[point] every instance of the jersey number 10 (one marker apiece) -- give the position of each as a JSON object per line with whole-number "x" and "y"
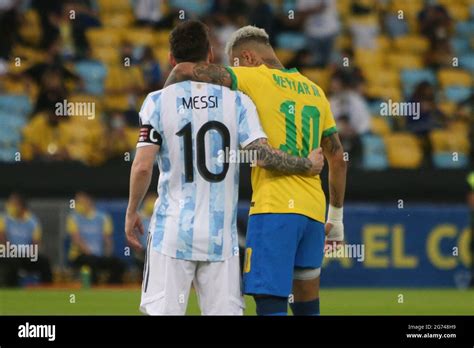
{"x": 309, "y": 115}
{"x": 187, "y": 133}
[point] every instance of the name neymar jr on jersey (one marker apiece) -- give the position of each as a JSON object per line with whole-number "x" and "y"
{"x": 296, "y": 86}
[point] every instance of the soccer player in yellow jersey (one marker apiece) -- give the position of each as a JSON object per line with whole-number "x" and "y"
{"x": 286, "y": 233}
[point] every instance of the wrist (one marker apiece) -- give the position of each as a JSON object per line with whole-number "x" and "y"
{"x": 335, "y": 214}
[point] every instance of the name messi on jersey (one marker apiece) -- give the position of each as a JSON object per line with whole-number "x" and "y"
{"x": 296, "y": 86}
{"x": 201, "y": 102}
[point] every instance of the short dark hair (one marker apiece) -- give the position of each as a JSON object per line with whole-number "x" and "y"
{"x": 189, "y": 41}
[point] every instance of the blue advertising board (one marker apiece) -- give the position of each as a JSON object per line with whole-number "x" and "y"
{"x": 386, "y": 246}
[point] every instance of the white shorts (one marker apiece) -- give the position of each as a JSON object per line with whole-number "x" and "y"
{"x": 167, "y": 282}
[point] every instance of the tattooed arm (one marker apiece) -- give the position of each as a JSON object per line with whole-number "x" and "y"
{"x": 277, "y": 160}
{"x": 200, "y": 72}
{"x": 334, "y": 153}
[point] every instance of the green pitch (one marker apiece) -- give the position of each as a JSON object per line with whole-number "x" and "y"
{"x": 333, "y": 302}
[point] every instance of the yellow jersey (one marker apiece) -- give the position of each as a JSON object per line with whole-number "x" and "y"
{"x": 295, "y": 115}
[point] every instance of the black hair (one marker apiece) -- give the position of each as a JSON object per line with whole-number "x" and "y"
{"x": 189, "y": 41}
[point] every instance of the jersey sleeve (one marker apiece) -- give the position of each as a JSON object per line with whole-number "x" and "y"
{"x": 329, "y": 125}
{"x": 245, "y": 79}
{"x": 108, "y": 225}
{"x": 250, "y": 128}
{"x": 149, "y": 112}
{"x": 37, "y": 232}
{"x": 71, "y": 225}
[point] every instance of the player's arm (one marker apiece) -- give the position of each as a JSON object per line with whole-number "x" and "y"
{"x": 334, "y": 154}
{"x": 277, "y": 160}
{"x": 200, "y": 72}
{"x": 140, "y": 178}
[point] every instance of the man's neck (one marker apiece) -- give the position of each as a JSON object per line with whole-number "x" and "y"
{"x": 272, "y": 63}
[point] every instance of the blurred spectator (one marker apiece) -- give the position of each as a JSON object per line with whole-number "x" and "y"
{"x": 302, "y": 59}
{"x": 52, "y": 91}
{"x": 43, "y": 138}
{"x": 434, "y": 22}
{"x": 364, "y": 28}
{"x": 261, "y": 15}
{"x": 148, "y": 12}
{"x": 350, "y": 111}
{"x": 91, "y": 240}
{"x": 440, "y": 54}
{"x": 9, "y": 25}
{"x": 430, "y": 116}
{"x": 20, "y": 227}
{"x": 151, "y": 70}
{"x": 120, "y": 137}
{"x": 321, "y": 26}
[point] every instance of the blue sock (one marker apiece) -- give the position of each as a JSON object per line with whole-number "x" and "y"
{"x": 271, "y": 305}
{"x": 305, "y": 308}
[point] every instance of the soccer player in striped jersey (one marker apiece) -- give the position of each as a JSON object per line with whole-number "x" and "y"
{"x": 286, "y": 231}
{"x": 193, "y": 233}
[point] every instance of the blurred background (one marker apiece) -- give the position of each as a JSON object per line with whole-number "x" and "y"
{"x": 409, "y": 194}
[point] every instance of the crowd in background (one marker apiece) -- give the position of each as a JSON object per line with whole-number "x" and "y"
{"x": 111, "y": 53}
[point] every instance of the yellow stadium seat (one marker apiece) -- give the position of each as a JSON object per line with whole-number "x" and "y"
{"x": 384, "y": 92}
{"x": 117, "y": 20}
{"x": 383, "y": 42}
{"x": 100, "y": 37}
{"x": 30, "y": 30}
{"x": 114, "y": 6}
{"x": 379, "y": 125}
{"x": 343, "y": 42}
{"x": 107, "y": 55}
{"x": 369, "y": 58}
{"x": 403, "y": 150}
{"x": 454, "y": 77}
{"x": 411, "y": 44}
{"x": 140, "y": 37}
{"x": 320, "y": 77}
{"x": 443, "y": 140}
{"x": 116, "y": 101}
{"x": 382, "y": 77}
{"x": 448, "y": 108}
{"x": 284, "y": 55}
{"x": 404, "y": 61}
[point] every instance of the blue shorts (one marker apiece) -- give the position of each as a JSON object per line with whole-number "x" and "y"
{"x": 276, "y": 245}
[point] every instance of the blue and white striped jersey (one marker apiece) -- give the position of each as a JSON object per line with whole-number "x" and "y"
{"x": 195, "y": 123}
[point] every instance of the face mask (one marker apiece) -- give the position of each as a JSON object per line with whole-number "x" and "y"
{"x": 11, "y": 209}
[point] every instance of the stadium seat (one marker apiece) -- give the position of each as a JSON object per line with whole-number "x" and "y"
{"x": 196, "y": 7}
{"x": 456, "y": 93}
{"x": 382, "y": 77}
{"x": 454, "y": 77}
{"x": 101, "y": 37}
{"x": 318, "y": 76}
{"x": 465, "y": 28}
{"x": 384, "y": 93}
{"x": 374, "y": 156}
{"x": 448, "y": 108}
{"x": 467, "y": 61}
{"x": 93, "y": 73}
{"x": 117, "y": 20}
{"x": 404, "y": 61}
{"x": 15, "y": 104}
{"x": 379, "y": 125}
{"x": 411, "y": 44}
{"x": 450, "y": 148}
{"x": 291, "y": 41}
{"x": 369, "y": 58}
{"x": 107, "y": 55}
{"x": 114, "y": 6}
{"x": 460, "y": 45}
{"x": 403, "y": 150}
{"x": 140, "y": 37}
